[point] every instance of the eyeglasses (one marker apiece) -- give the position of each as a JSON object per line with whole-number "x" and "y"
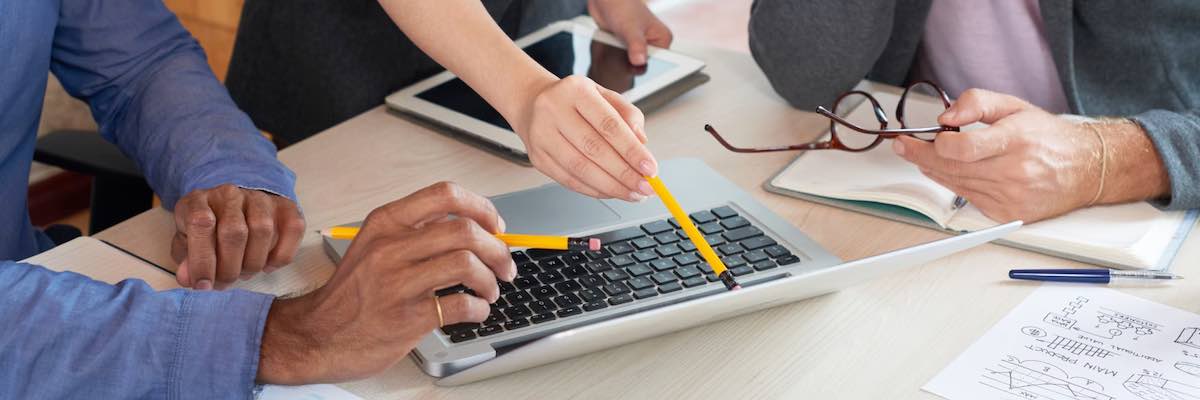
{"x": 858, "y": 138}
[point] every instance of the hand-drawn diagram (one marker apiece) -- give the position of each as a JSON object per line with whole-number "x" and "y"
{"x": 1076, "y": 348}
{"x": 1037, "y": 380}
{"x": 1034, "y": 331}
{"x": 1157, "y": 388}
{"x": 1188, "y": 368}
{"x": 1189, "y": 337}
{"x": 1109, "y": 323}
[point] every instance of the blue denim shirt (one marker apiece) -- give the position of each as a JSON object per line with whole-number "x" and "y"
{"x": 152, "y": 93}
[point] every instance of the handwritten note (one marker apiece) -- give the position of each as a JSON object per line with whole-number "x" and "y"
{"x": 1080, "y": 343}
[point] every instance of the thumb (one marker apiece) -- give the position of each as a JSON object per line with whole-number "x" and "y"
{"x": 182, "y": 276}
{"x": 978, "y": 105}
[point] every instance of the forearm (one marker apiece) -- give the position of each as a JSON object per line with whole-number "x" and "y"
{"x": 67, "y": 336}
{"x": 1133, "y": 170}
{"x": 461, "y": 36}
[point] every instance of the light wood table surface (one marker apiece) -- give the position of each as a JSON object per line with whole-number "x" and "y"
{"x": 879, "y": 340}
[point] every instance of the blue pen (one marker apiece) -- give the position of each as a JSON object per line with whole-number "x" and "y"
{"x": 1089, "y": 275}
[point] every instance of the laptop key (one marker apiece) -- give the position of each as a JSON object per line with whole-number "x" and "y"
{"x": 711, "y": 228}
{"x": 567, "y": 286}
{"x": 788, "y": 259}
{"x": 757, "y": 242}
{"x": 643, "y": 256}
{"x": 598, "y": 254}
{"x": 519, "y": 257}
{"x": 662, "y": 265}
{"x": 639, "y": 270}
{"x": 591, "y": 281}
{"x": 567, "y": 300}
{"x": 739, "y": 234}
{"x": 694, "y": 281}
{"x": 540, "y": 318}
{"x": 501, "y": 302}
{"x": 733, "y": 261}
{"x": 686, "y": 259}
{"x": 742, "y": 270}
{"x": 543, "y": 292}
{"x": 574, "y": 271}
{"x": 525, "y": 282}
{"x": 755, "y": 256}
{"x": 590, "y": 295}
{"x": 644, "y": 243}
{"x": 538, "y": 254}
{"x": 495, "y": 318}
{"x": 621, "y": 261}
{"x": 551, "y": 264}
{"x": 528, "y": 269}
{"x": 516, "y": 324}
{"x": 569, "y": 311}
{"x": 620, "y": 248}
{"x": 489, "y": 330}
{"x": 662, "y": 278}
{"x": 687, "y": 272}
{"x": 703, "y": 217}
{"x": 622, "y": 299}
{"x": 644, "y": 293}
{"x": 595, "y": 305}
{"x": 730, "y": 249}
{"x": 673, "y": 222}
{"x": 640, "y": 283}
{"x": 777, "y": 251}
{"x": 549, "y": 277}
{"x": 705, "y": 268}
{"x": 657, "y": 227}
{"x": 462, "y": 336}
{"x": 724, "y": 212}
{"x": 734, "y": 222}
{"x": 615, "y": 288}
{"x": 666, "y": 238}
{"x": 598, "y": 266}
{"x": 764, "y": 265}
{"x": 714, "y": 240}
{"x": 616, "y": 275}
{"x": 542, "y": 306}
{"x": 575, "y": 258}
{"x": 687, "y": 245}
{"x": 517, "y": 298}
{"x": 456, "y": 328}
{"x": 517, "y": 312}
{"x": 618, "y": 235}
{"x": 670, "y": 287}
{"x": 506, "y": 287}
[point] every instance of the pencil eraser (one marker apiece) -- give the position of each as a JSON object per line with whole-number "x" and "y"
{"x": 594, "y": 244}
{"x": 738, "y": 287}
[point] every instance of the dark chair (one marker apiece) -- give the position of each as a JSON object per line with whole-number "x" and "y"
{"x": 118, "y": 189}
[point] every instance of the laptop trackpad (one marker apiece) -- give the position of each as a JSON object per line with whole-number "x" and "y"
{"x": 552, "y": 209}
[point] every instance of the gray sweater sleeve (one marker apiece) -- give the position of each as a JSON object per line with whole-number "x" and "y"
{"x": 812, "y": 51}
{"x": 1176, "y": 136}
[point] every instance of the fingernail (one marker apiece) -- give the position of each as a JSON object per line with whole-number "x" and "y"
{"x": 645, "y": 188}
{"x": 512, "y": 272}
{"x": 647, "y": 168}
{"x": 269, "y": 269}
{"x": 503, "y": 225}
{"x": 898, "y": 147}
{"x": 635, "y": 196}
{"x": 950, "y": 114}
{"x": 639, "y": 59}
{"x": 204, "y": 284}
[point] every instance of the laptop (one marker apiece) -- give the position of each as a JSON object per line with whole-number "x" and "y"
{"x": 647, "y": 279}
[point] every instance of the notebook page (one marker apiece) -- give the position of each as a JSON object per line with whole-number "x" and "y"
{"x": 1134, "y": 234}
{"x": 878, "y": 175}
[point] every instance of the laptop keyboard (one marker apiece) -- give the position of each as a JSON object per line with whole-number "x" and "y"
{"x": 634, "y": 264}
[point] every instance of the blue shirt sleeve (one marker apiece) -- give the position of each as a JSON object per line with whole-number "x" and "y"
{"x": 68, "y": 336}
{"x": 152, "y": 93}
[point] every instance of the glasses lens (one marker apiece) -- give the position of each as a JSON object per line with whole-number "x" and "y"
{"x": 856, "y": 109}
{"x": 922, "y": 107}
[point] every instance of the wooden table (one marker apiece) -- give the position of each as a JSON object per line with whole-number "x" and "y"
{"x": 882, "y": 339}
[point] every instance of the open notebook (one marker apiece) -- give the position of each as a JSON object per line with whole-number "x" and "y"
{"x": 880, "y": 183}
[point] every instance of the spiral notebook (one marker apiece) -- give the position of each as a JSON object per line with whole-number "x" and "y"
{"x": 880, "y": 183}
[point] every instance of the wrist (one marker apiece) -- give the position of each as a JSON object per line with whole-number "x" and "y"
{"x": 1135, "y": 169}
{"x": 290, "y": 346}
{"x": 519, "y": 110}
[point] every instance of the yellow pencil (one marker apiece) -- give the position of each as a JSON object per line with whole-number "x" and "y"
{"x": 689, "y": 228}
{"x": 511, "y": 239}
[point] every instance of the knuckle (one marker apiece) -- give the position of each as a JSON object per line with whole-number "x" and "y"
{"x": 462, "y": 259}
{"x": 295, "y": 225}
{"x": 260, "y": 226}
{"x": 593, "y": 145}
{"x": 463, "y": 228}
{"x": 227, "y": 189}
{"x": 446, "y": 190}
{"x": 578, "y": 166}
{"x": 202, "y": 219}
{"x": 610, "y": 126}
{"x": 234, "y": 231}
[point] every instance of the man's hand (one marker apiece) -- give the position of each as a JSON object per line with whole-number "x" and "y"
{"x": 226, "y": 233}
{"x": 380, "y": 301}
{"x": 1032, "y": 165}
{"x": 632, "y": 22}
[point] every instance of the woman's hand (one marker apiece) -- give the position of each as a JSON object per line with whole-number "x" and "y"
{"x": 632, "y": 22}
{"x": 589, "y": 139}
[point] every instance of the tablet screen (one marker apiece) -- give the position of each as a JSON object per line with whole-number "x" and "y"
{"x": 563, "y": 54}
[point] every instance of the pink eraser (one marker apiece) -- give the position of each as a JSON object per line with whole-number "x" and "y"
{"x": 594, "y": 244}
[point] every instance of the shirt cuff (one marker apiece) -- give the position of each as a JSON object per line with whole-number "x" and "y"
{"x": 1177, "y": 139}
{"x": 218, "y": 339}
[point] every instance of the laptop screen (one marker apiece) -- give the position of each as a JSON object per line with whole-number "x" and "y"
{"x": 563, "y": 54}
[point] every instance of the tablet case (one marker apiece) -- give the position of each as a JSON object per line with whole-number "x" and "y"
{"x": 647, "y": 105}
{"x": 901, "y": 214}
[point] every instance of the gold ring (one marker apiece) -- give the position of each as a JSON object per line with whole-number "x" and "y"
{"x": 438, "y": 303}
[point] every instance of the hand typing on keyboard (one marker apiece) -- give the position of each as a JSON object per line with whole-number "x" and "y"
{"x": 380, "y": 301}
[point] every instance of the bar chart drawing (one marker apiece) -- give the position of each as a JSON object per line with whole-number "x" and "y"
{"x": 1076, "y": 347}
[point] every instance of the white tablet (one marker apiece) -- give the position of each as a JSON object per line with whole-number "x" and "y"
{"x": 573, "y": 47}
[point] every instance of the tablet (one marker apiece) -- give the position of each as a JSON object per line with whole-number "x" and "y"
{"x": 573, "y": 47}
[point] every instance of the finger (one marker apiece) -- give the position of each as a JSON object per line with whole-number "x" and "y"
{"x": 179, "y": 253}
{"x": 659, "y": 34}
{"x": 460, "y": 307}
{"x": 978, "y": 105}
{"x": 462, "y": 267}
{"x": 632, "y": 115}
{"x": 548, "y": 166}
{"x": 596, "y": 109}
{"x": 289, "y": 226}
{"x": 232, "y": 235}
{"x": 436, "y": 202}
{"x": 635, "y": 45}
{"x": 592, "y": 145}
{"x": 458, "y": 234}
{"x": 925, "y": 156}
{"x": 260, "y": 222}
{"x": 182, "y": 275}
{"x": 585, "y": 170}
{"x": 201, "y": 224}
{"x": 975, "y": 145}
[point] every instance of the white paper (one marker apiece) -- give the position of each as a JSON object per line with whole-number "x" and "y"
{"x": 306, "y": 392}
{"x": 1068, "y": 342}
